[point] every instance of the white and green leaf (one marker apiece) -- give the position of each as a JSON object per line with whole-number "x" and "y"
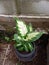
{"x": 30, "y": 27}
{"x": 7, "y": 39}
{"x": 25, "y": 47}
{"x": 21, "y": 48}
{"x": 17, "y": 37}
{"x": 33, "y": 36}
{"x": 22, "y": 28}
{"x": 30, "y": 46}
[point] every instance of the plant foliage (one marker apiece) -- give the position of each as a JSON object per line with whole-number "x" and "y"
{"x": 25, "y": 36}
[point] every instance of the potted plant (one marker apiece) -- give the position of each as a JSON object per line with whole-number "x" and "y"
{"x": 25, "y": 39}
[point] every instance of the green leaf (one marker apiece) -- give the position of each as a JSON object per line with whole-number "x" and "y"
{"x": 37, "y": 36}
{"x": 30, "y": 27}
{"x": 7, "y": 39}
{"x": 26, "y": 48}
{"x": 18, "y": 45}
{"x": 21, "y": 27}
{"x": 16, "y": 37}
{"x": 33, "y": 36}
{"x": 30, "y": 46}
{"x": 21, "y": 48}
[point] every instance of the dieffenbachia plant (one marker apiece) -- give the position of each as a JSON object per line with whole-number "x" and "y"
{"x": 25, "y": 36}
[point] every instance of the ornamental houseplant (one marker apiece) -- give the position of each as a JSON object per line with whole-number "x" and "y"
{"x": 25, "y": 40}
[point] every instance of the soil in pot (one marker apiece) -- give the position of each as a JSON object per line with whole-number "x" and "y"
{"x": 24, "y": 52}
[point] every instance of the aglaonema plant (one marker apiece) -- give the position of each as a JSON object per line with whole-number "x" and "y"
{"x": 25, "y": 36}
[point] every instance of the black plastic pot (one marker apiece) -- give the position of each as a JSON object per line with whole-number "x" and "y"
{"x": 41, "y": 42}
{"x": 26, "y": 57}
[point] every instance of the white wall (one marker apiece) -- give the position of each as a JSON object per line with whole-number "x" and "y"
{"x": 7, "y": 7}
{"x": 35, "y": 6}
{"x": 24, "y": 7}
